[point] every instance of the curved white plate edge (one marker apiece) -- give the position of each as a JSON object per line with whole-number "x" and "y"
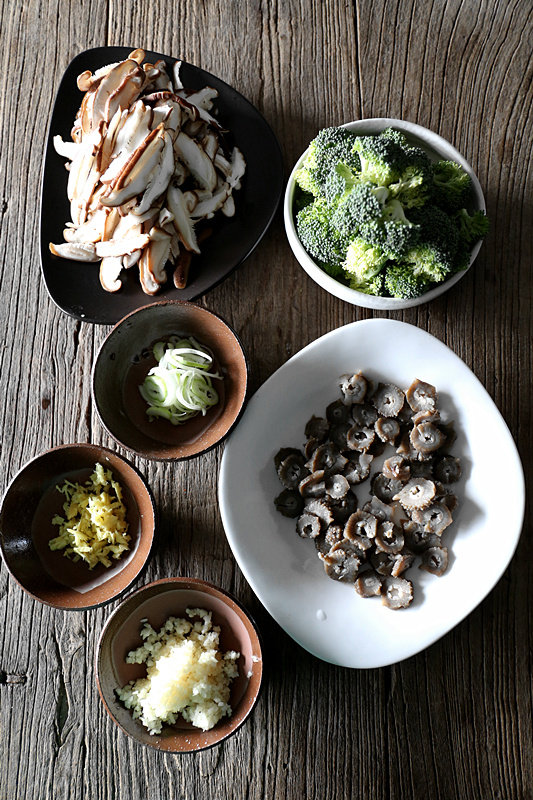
{"x": 338, "y": 289}
{"x": 226, "y": 513}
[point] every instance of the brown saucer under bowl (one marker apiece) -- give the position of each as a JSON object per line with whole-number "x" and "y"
{"x": 124, "y": 360}
{"x": 156, "y": 602}
{"x": 30, "y": 503}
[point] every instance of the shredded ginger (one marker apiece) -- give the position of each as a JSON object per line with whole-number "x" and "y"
{"x": 94, "y": 526}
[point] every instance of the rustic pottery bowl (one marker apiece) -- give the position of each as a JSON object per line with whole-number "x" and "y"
{"x": 437, "y": 148}
{"x": 30, "y": 503}
{"x": 156, "y": 602}
{"x": 124, "y": 360}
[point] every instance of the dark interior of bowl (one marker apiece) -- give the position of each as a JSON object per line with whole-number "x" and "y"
{"x": 26, "y": 527}
{"x": 157, "y": 602}
{"x": 124, "y": 361}
{"x": 75, "y": 286}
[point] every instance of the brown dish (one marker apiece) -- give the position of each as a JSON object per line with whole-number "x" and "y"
{"x": 156, "y": 602}
{"x": 124, "y": 360}
{"x": 31, "y": 502}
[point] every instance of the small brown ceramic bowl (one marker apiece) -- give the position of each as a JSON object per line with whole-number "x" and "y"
{"x": 30, "y": 503}
{"x": 156, "y": 602}
{"x": 124, "y": 360}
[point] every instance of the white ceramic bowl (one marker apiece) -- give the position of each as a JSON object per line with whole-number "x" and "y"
{"x": 437, "y": 148}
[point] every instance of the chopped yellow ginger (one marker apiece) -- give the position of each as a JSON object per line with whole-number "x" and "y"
{"x": 94, "y": 525}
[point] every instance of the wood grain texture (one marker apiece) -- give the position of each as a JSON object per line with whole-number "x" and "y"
{"x": 452, "y": 722}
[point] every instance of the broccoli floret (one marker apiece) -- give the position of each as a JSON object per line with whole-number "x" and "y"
{"x": 364, "y": 260}
{"x": 400, "y": 281}
{"x": 330, "y": 147}
{"x": 393, "y": 233}
{"x": 395, "y": 136}
{"x": 371, "y": 286}
{"x": 437, "y": 228}
{"x": 355, "y": 208}
{"x": 317, "y": 234}
{"x": 382, "y": 159}
{"x": 451, "y": 185}
{"x": 430, "y": 262}
{"x": 340, "y": 180}
{"x": 471, "y": 226}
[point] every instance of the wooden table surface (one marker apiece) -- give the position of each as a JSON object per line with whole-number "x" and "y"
{"x": 454, "y": 721}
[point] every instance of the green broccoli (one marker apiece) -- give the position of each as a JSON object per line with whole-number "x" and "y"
{"x": 430, "y": 262}
{"x": 393, "y": 233}
{"x": 330, "y": 147}
{"x": 471, "y": 226}
{"x": 371, "y": 286}
{"x": 400, "y": 281}
{"x": 356, "y": 207}
{"x": 451, "y": 185}
{"x": 437, "y": 229}
{"x": 374, "y": 212}
{"x": 363, "y": 260}
{"x": 382, "y": 159}
{"x": 340, "y": 180}
{"x": 316, "y": 233}
{"x": 395, "y": 136}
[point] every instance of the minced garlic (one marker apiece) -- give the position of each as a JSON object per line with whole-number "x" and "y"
{"x": 94, "y": 527}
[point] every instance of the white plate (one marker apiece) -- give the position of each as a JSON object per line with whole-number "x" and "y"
{"x": 328, "y": 618}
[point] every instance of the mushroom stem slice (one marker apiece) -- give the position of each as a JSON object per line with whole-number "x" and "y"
{"x": 110, "y": 269}
{"x": 196, "y": 160}
{"x": 177, "y": 203}
{"x": 76, "y": 251}
{"x": 121, "y": 247}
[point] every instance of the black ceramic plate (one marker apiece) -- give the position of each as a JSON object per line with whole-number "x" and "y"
{"x": 75, "y": 286}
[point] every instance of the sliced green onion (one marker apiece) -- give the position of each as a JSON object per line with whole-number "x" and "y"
{"x": 180, "y": 387}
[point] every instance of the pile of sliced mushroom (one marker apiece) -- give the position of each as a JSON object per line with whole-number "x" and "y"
{"x": 146, "y": 164}
{"x": 411, "y": 503}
